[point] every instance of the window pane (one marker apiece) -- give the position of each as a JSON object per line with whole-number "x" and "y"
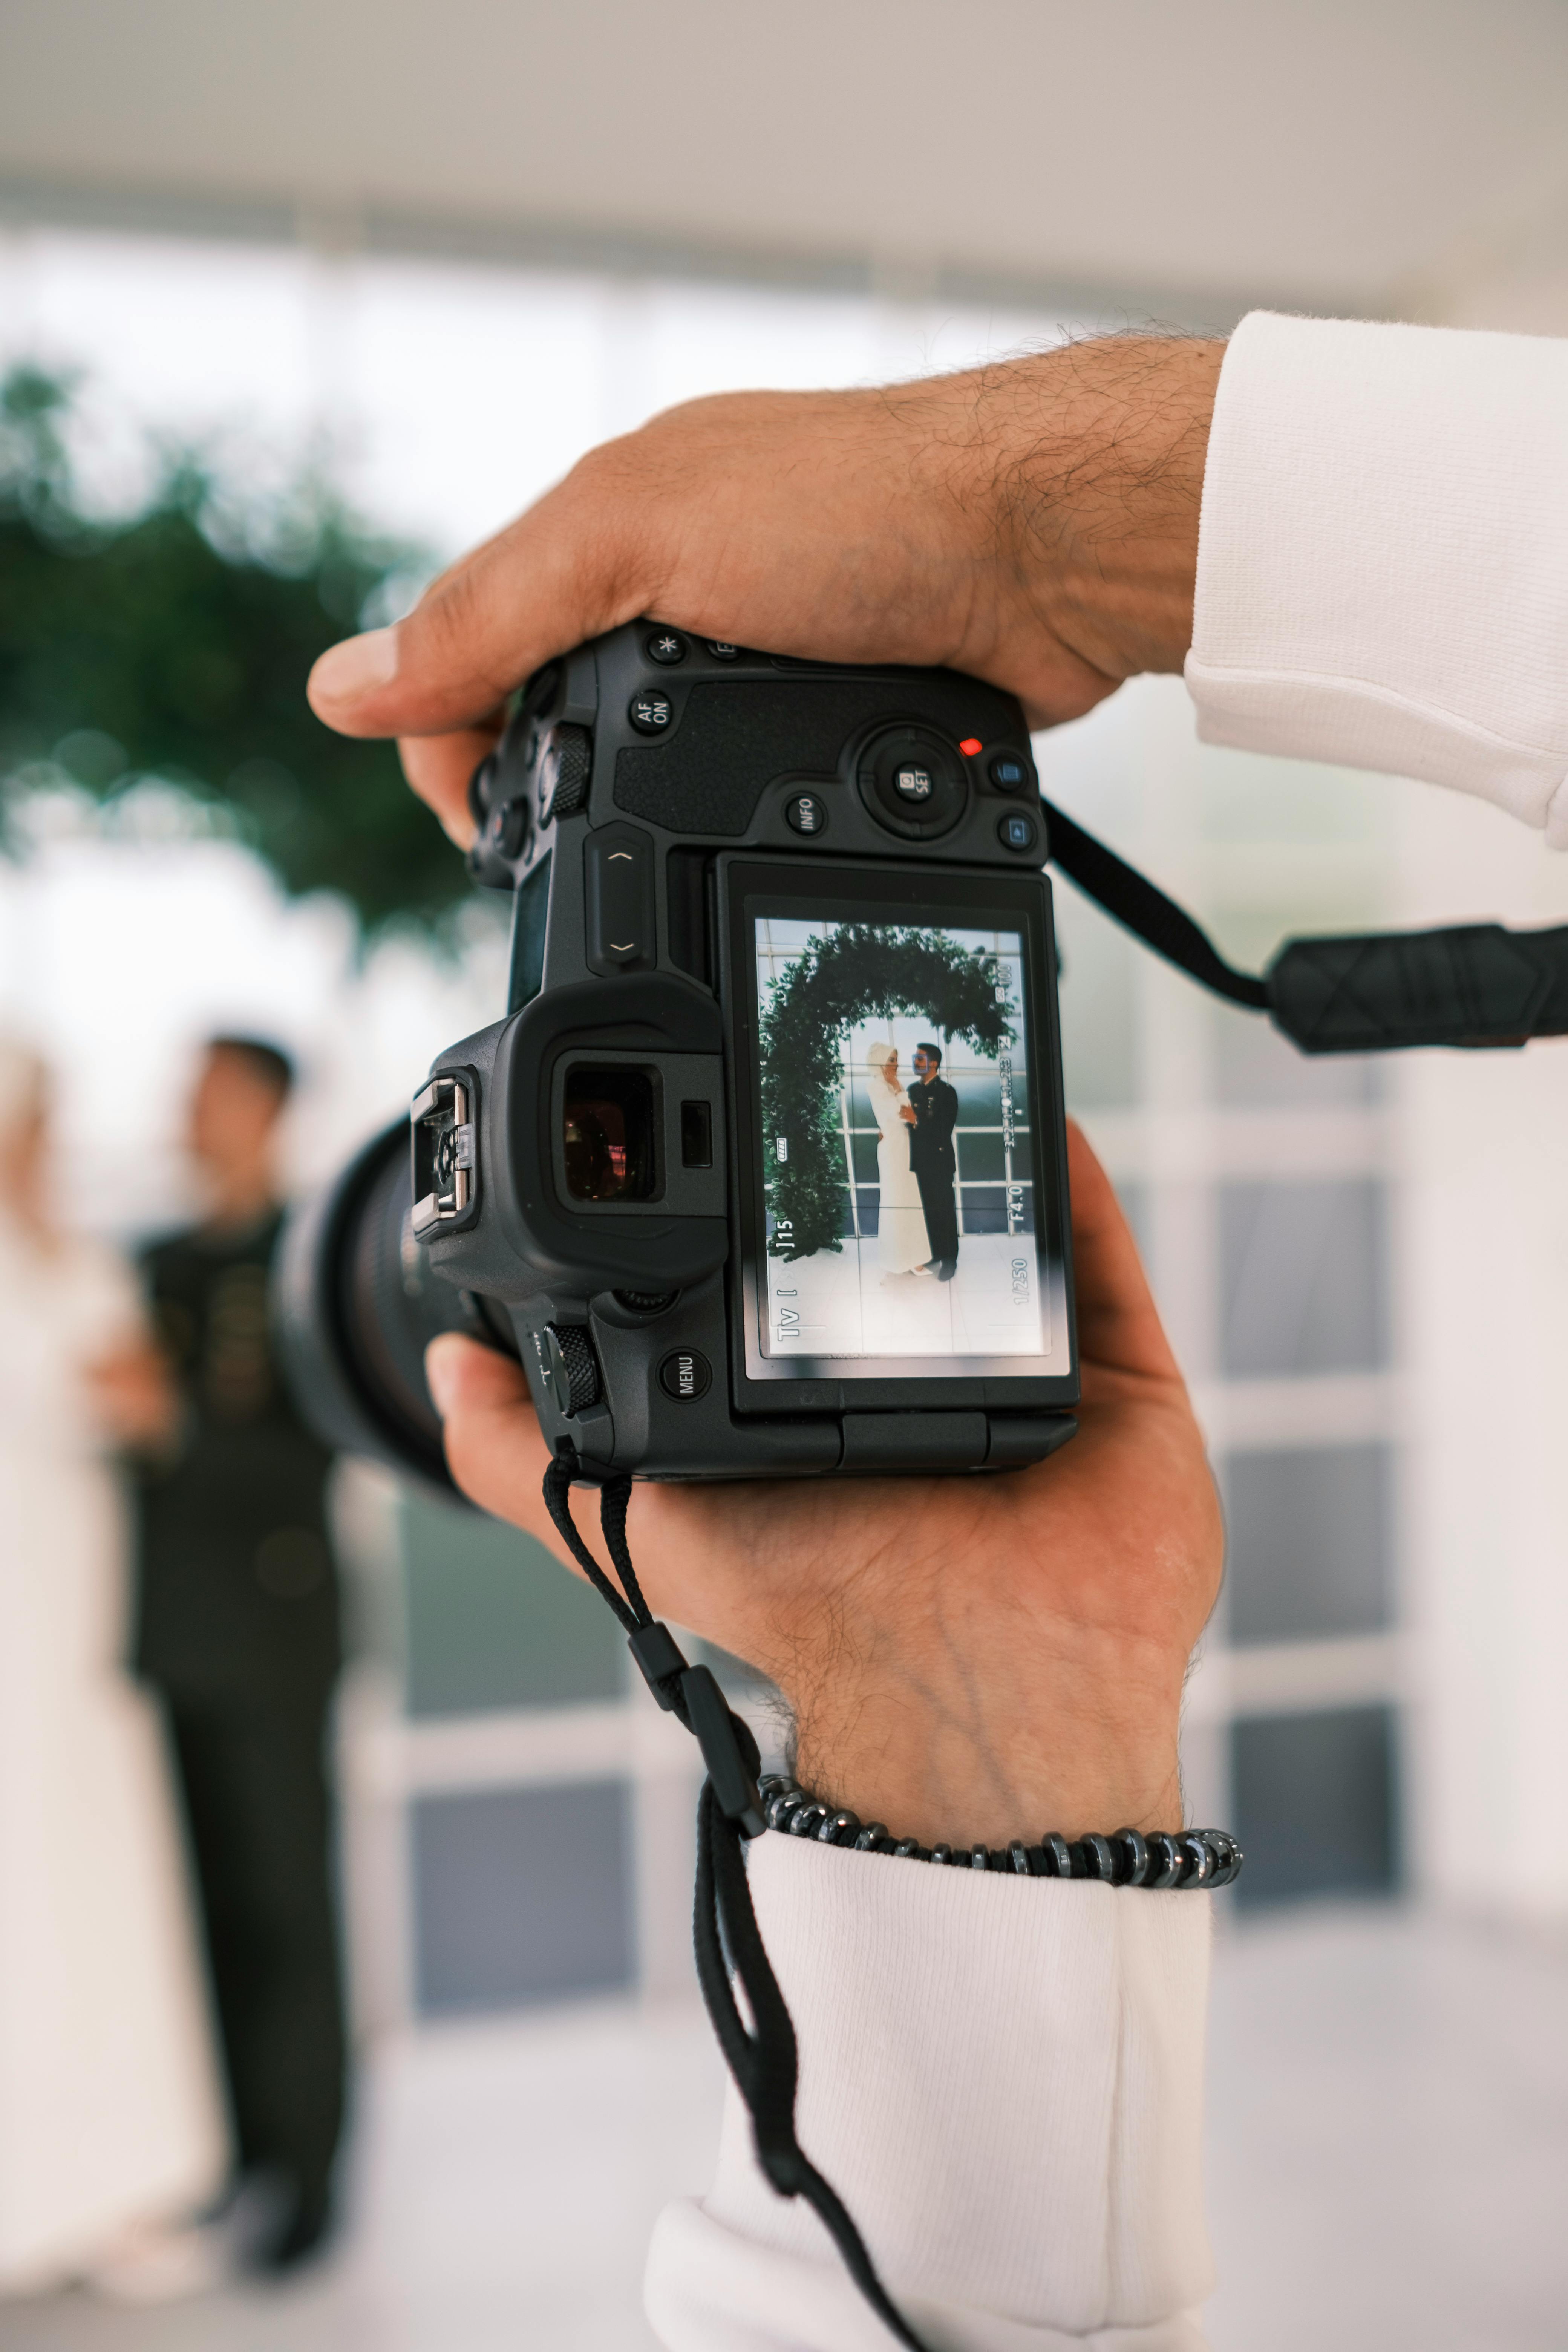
{"x": 1304, "y": 1273}
{"x": 1098, "y": 1005}
{"x": 980, "y": 1158}
{"x": 1309, "y": 1543}
{"x": 1254, "y": 1064}
{"x": 492, "y": 1620}
{"x": 866, "y": 1163}
{"x": 522, "y": 1895}
{"x": 1314, "y": 1804}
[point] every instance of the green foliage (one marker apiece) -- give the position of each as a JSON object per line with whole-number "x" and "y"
{"x": 857, "y": 969}
{"x": 177, "y": 644}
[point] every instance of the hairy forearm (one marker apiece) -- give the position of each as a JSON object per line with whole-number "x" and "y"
{"x": 1089, "y": 462}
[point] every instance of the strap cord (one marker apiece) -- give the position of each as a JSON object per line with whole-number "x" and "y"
{"x": 765, "y": 2060}
{"x": 1130, "y": 898}
{"x": 1468, "y": 984}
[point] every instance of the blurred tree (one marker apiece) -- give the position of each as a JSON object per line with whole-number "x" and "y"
{"x": 177, "y": 644}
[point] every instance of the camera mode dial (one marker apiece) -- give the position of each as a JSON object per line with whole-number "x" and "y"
{"x": 571, "y": 1368}
{"x": 913, "y": 781}
{"x": 566, "y": 765}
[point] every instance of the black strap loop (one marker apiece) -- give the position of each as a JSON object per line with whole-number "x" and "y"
{"x": 764, "y": 2060}
{"x": 1127, "y": 897}
{"x": 559, "y": 1480}
{"x": 1472, "y": 985}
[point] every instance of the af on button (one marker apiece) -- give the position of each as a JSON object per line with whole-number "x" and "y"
{"x": 650, "y": 712}
{"x": 684, "y": 1373}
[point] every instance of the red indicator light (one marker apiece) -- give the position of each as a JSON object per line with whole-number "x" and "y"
{"x": 970, "y": 745}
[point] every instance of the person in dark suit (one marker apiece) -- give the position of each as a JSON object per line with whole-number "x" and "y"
{"x": 934, "y": 1158}
{"x": 237, "y": 1627}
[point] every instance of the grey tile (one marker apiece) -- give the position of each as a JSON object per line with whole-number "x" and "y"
{"x": 1308, "y": 1542}
{"x": 1303, "y": 1270}
{"x": 521, "y": 1895}
{"x": 1314, "y": 1801}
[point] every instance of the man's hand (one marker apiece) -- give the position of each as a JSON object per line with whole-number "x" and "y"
{"x": 136, "y": 1398}
{"x": 967, "y": 1658}
{"x": 1034, "y": 524}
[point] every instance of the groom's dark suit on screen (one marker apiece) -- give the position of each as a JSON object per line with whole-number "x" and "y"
{"x": 934, "y": 1159}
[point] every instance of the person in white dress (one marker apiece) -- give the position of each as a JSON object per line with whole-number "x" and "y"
{"x": 904, "y": 1245}
{"x": 112, "y": 2127}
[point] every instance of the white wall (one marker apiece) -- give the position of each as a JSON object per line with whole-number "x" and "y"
{"x": 1484, "y": 1148}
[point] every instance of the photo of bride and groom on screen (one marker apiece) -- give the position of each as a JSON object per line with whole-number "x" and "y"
{"x": 896, "y": 1155}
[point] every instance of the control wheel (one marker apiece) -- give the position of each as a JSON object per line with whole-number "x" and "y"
{"x": 566, "y": 765}
{"x": 913, "y": 781}
{"x": 569, "y": 1366}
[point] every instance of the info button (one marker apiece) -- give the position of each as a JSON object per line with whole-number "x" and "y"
{"x": 685, "y": 1373}
{"x": 806, "y": 812}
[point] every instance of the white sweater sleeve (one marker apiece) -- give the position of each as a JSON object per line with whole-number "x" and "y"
{"x": 1383, "y": 563}
{"x": 1003, "y": 2079}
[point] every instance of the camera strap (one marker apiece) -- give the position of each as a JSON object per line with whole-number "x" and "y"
{"x": 763, "y": 2059}
{"x": 1472, "y": 984}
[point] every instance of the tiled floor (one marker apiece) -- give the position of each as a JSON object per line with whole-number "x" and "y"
{"x": 509, "y": 2177}
{"x": 1388, "y": 2138}
{"x": 1389, "y": 2167}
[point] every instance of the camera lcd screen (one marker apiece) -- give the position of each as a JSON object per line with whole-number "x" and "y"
{"x": 908, "y": 1222}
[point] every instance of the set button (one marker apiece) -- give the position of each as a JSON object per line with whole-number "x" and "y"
{"x": 913, "y": 781}
{"x": 666, "y": 647}
{"x": 650, "y": 712}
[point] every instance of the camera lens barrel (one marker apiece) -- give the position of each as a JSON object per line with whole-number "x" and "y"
{"x": 357, "y": 1301}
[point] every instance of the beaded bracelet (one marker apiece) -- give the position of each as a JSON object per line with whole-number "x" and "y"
{"x": 1207, "y": 1858}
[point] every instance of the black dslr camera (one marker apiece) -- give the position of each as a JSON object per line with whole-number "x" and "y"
{"x": 762, "y": 1172}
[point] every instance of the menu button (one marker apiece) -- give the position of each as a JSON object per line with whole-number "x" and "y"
{"x": 684, "y": 1373}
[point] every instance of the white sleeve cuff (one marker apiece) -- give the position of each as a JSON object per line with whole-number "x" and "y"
{"x": 1383, "y": 561}
{"x": 1003, "y": 2079}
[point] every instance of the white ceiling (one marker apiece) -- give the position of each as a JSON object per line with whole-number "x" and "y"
{"x": 1381, "y": 154}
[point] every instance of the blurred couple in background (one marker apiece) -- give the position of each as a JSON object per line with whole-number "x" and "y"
{"x": 171, "y": 2035}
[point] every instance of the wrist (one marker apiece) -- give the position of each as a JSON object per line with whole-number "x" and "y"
{"x": 1093, "y": 475}
{"x": 921, "y": 1761}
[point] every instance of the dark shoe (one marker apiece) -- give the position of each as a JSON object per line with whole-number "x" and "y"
{"x": 309, "y": 2229}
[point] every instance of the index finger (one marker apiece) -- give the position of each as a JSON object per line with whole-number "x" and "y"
{"x": 563, "y": 571}
{"x": 1118, "y": 1321}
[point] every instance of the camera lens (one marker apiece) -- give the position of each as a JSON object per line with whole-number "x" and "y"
{"x": 606, "y": 1135}
{"x": 358, "y": 1301}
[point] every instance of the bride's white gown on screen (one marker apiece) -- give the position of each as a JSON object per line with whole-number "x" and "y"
{"x": 109, "y": 2108}
{"x": 901, "y": 1240}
